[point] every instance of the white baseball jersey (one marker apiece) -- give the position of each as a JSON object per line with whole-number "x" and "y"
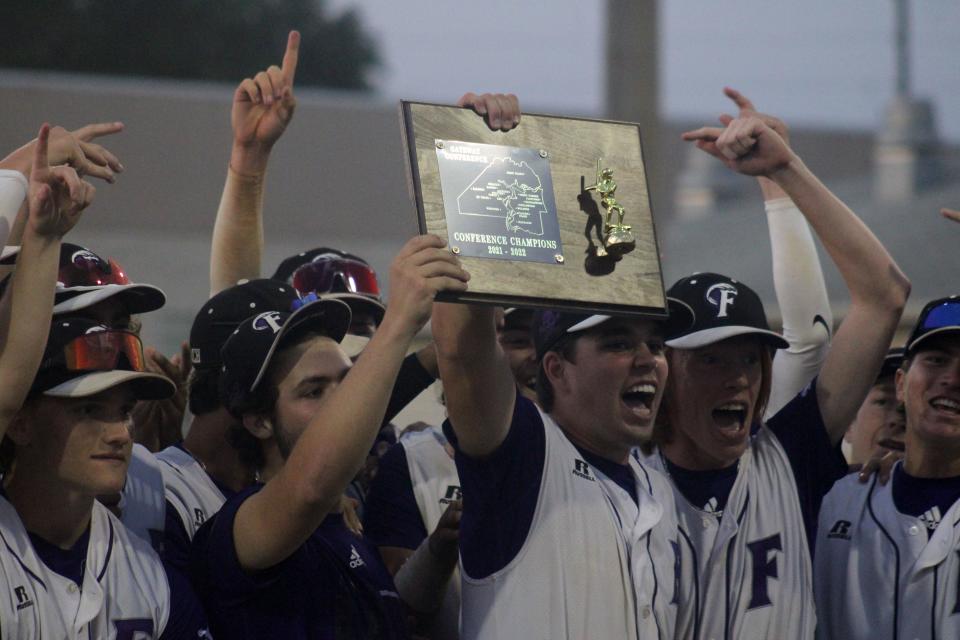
{"x": 877, "y": 574}
{"x": 124, "y": 595}
{"x": 189, "y": 488}
{"x": 433, "y": 474}
{"x": 747, "y": 575}
{"x": 594, "y": 564}
{"x": 142, "y": 508}
{"x": 436, "y": 484}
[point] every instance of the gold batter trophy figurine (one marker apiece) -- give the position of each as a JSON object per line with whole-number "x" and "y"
{"x": 617, "y": 237}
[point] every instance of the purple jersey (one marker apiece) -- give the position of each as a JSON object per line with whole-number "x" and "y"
{"x": 333, "y": 586}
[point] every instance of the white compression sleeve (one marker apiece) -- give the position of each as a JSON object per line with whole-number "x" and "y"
{"x": 13, "y": 189}
{"x": 804, "y": 304}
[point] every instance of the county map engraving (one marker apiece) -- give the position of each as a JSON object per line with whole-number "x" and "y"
{"x": 506, "y": 189}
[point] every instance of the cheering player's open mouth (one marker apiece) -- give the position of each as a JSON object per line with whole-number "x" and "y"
{"x": 731, "y": 416}
{"x": 639, "y": 399}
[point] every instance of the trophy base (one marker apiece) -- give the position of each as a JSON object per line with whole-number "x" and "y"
{"x": 619, "y": 241}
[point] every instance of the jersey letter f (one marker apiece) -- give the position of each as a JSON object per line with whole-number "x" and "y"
{"x": 764, "y": 567}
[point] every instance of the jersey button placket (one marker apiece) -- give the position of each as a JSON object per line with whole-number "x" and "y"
{"x": 913, "y": 530}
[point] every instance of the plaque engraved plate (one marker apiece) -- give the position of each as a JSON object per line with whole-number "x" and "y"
{"x": 499, "y": 202}
{"x": 554, "y": 213}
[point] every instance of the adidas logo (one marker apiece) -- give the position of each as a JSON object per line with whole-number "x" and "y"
{"x": 931, "y": 518}
{"x": 355, "y": 559}
{"x": 582, "y": 470}
{"x": 711, "y": 507}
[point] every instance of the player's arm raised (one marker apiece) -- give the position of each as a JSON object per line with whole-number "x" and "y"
{"x": 274, "y": 522}
{"x": 55, "y": 199}
{"x": 477, "y": 381}
{"x": 797, "y": 279}
{"x": 878, "y": 289}
{"x": 262, "y": 109}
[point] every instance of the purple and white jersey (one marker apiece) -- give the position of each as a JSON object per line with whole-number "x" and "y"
{"x": 123, "y": 595}
{"x": 192, "y": 493}
{"x": 745, "y": 568}
{"x": 142, "y": 499}
{"x": 557, "y": 544}
{"x": 881, "y": 573}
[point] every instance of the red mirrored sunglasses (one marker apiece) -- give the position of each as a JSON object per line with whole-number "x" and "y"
{"x": 336, "y": 275}
{"x": 86, "y": 269}
{"x": 101, "y": 351}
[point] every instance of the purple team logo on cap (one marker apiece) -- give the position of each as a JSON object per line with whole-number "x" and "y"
{"x": 267, "y": 320}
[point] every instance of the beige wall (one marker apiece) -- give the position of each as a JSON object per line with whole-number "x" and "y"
{"x": 337, "y": 178}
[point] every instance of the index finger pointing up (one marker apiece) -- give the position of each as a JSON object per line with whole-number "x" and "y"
{"x": 40, "y": 162}
{"x": 289, "y": 66}
{"x": 741, "y": 100}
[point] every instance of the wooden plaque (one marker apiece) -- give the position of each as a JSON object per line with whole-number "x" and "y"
{"x": 499, "y": 188}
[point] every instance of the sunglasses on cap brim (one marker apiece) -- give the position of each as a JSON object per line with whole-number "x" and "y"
{"x": 85, "y": 270}
{"x": 946, "y": 314}
{"x": 336, "y": 275}
{"x": 102, "y": 351}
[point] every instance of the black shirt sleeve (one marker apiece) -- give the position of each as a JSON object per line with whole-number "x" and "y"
{"x": 176, "y": 542}
{"x": 187, "y": 619}
{"x": 391, "y": 516}
{"x": 815, "y": 461}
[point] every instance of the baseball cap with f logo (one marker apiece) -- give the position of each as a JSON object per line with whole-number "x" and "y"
{"x": 722, "y": 308}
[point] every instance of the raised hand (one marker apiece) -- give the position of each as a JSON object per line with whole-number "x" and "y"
{"x": 746, "y": 145}
{"x": 747, "y": 110}
{"x": 57, "y": 195}
{"x": 422, "y": 269}
{"x": 445, "y": 539}
{"x": 501, "y": 111}
{"x": 73, "y": 148}
{"x": 263, "y": 105}
{"x": 950, "y": 214}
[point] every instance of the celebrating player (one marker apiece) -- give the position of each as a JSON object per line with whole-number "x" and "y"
{"x": 417, "y": 491}
{"x": 71, "y": 568}
{"x": 277, "y": 559}
{"x": 888, "y": 556}
{"x": 748, "y": 495}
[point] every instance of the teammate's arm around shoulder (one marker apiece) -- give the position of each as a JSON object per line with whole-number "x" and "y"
{"x": 56, "y": 196}
{"x": 274, "y": 522}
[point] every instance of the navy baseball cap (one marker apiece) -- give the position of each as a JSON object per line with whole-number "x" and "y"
{"x": 83, "y": 358}
{"x": 247, "y": 353}
{"x": 722, "y": 308}
{"x": 219, "y": 316}
{"x": 550, "y": 326}
{"x": 84, "y": 279}
{"x": 891, "y": 362}
{"x": 937, "y": 318}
